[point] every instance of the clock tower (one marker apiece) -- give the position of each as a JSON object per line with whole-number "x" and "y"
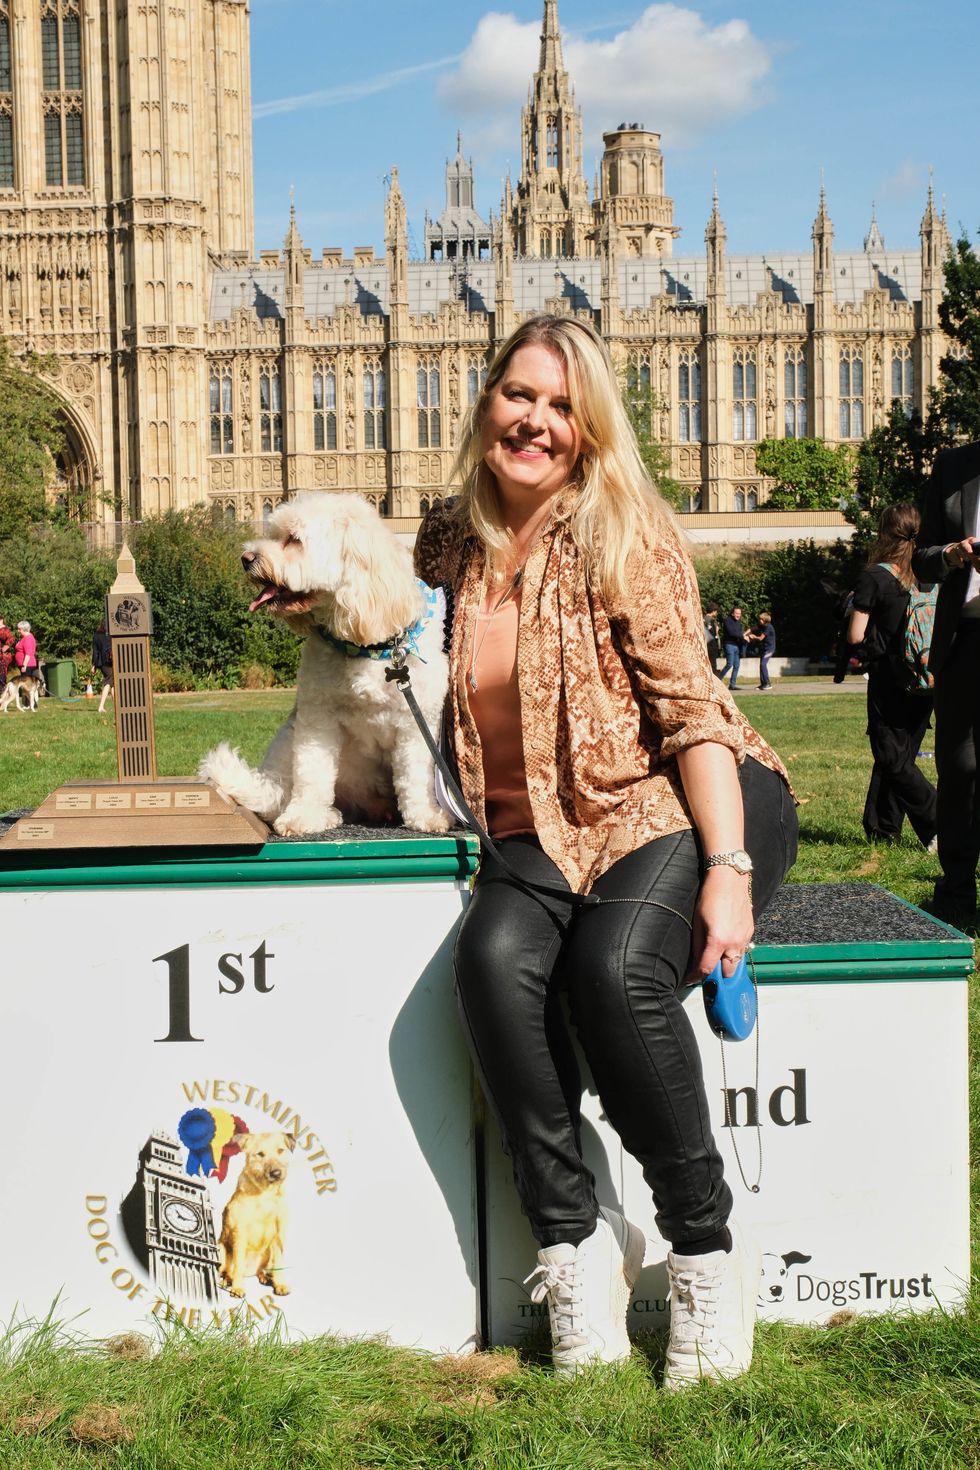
{"x": 168, "y": 1222}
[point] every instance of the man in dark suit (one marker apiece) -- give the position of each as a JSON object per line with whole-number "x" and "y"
{"x": 950, "y": 530}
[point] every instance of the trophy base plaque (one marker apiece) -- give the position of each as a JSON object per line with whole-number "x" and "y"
{"x": 160, "y": 813}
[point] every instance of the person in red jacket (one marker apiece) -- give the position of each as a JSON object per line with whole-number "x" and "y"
{"x": 6, "y": 651}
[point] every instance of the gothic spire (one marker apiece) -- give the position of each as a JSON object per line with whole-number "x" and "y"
{"x": 873, "y": 242}
{"x": 550, "y": 59}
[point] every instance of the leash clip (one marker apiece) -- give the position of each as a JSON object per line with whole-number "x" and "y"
{"x": 397, "y": 664}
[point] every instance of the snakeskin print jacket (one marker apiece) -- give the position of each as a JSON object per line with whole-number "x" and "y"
{"x": 609, "y": 693}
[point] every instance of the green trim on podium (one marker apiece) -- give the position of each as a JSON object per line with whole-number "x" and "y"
{"x": 394, "y": 860}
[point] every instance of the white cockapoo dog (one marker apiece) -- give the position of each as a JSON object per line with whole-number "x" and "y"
{"x": 350, "y": 750}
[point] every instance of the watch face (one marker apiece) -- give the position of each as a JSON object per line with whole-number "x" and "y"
{"x": 182, "y": 1216}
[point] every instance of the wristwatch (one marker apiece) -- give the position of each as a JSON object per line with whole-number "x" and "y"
{"x": 739, "y": 860}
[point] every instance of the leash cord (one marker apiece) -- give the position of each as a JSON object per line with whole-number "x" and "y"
{"x": 399, "y": 672}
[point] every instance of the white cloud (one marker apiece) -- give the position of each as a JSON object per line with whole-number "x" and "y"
{"x": 671, "y": 70}
{"x": 908, "y": 180}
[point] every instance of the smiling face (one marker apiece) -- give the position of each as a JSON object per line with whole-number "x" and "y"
{"x": 530, "y": 440}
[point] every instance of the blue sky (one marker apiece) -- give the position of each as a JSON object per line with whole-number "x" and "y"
{"x": 765, "y": 97}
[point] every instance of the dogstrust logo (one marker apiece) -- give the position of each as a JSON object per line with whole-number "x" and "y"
{"x": 202, "y": 1236}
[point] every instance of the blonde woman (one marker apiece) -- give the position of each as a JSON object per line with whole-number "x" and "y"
{"x": 604, "y": 757}
{"x": 897, "y": 720}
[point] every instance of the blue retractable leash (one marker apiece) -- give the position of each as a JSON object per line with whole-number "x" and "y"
{"x": 730, "y": 1002}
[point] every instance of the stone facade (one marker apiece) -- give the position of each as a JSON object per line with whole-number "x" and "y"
{"x": 189, "y": 370}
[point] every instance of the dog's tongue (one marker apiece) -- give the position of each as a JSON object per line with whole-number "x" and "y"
{"x": 266, "y": 596}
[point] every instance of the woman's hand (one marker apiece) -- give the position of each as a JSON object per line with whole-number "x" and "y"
{"x": 723, "y": 923}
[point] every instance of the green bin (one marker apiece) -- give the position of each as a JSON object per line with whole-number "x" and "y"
{"x": 58, "y": 676}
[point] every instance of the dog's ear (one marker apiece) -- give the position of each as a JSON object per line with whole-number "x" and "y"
{"x": 290, "y": 1141}
{"x": 377, "y": 596}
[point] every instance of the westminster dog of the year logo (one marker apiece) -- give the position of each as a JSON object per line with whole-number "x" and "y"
{"x": 206, "y": 1216}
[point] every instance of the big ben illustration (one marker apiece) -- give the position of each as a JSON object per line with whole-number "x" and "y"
{"x": 167, "y": 1219}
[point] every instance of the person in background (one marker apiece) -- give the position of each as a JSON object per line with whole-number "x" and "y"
{"x": 7, "y": 641}
{"x": 947, "y": 553}
{"x": 733, "y": 637}
{"x": 765, "y": 635}
{"x": 25, "y": 650}
{"x": 711, "y": 633}
{"x": 606, "y": 759}
{"x": 897, "y": 720}
{"x": 102, "y": 661}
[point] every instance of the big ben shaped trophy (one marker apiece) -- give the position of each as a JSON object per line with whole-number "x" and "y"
{"x": 129, "y": 623}
{"x": 140, "y": 809}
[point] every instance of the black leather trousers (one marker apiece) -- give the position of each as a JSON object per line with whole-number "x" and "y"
{"x": 621, "y": 965}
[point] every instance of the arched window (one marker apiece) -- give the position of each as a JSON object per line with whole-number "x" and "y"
{"x": 429, "y": 413}
{"x": 61, "y": 93}
{"x": 325, "y": 405}
{"x": 6, "y": 101}
{"x": 739, "y": 499}
{"x": 375, "y": 398}
{"x": 266, "y": 512}
{"x": 903, "y": 378}
{"x": 744, "y": 406}
{"x": 689, "y": 399}
{"x": 794, "y": 393}
{"x": 219, "y": 402}
{"x": 270, "y": 409}
{"x": 230, "y": 511}
{"x": 851, "y": 393}
{"x": 476, "y": 376}
{"x": 552, "y": 143}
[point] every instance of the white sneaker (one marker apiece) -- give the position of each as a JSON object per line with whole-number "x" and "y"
{"x": 712, "y": 1313}
{"x": 587, "y": 1289}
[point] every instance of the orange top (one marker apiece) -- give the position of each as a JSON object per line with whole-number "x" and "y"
{"x": 495, "y": 705}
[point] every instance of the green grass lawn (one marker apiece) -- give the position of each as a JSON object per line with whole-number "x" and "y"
{"x": 865, "y": 1394}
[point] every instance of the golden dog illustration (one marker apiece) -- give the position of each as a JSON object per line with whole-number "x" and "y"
{"x": 253, "y": 1225}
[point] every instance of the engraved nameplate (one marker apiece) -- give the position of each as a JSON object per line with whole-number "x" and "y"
{"x": 152, "y": 800}
{"x": 113, "y": 801}
{"x": 73, "y": 801}
{"x": 188, "y": 799}
{"x": 34, "y": 831}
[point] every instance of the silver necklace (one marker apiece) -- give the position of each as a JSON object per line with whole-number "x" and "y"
{"x": 476, "y": 647}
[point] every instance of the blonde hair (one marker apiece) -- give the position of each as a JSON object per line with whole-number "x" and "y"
{"x": 610, "y": 496}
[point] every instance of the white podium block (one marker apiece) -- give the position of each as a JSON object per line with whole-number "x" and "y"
{"x": 862, "y": 1111}
{"x": 254, "y": 1053}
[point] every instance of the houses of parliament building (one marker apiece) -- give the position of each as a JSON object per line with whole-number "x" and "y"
{"x": 189, "y": 370}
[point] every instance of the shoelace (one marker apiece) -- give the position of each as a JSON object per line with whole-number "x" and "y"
{"x": 697, "y": 1293}
{"x": 559, "y": 1284}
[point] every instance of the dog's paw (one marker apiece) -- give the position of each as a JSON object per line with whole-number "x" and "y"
{"x": 238, "y": 1291}
{"x": 428, "y": 819}
{"x": 279, "y": 1289}
{"x": 300, "y": 819}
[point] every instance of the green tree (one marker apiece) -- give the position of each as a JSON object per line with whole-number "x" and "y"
{"x": 809, "y": 474}
{"x": 956, "y": 401}
{"x": 30, "y": 435}
{"x": 642, "y": 403}
{"x": 49, "y": 577}
{"x": 892, "y": 465}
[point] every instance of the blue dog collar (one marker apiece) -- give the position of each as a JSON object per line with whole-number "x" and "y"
{"x": 408, "y": 640}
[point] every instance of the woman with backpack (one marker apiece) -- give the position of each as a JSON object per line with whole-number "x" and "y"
{"x": 898, "y": 714}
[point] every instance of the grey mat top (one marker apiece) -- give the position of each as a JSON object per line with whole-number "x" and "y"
{"x": 842, "y": 913}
